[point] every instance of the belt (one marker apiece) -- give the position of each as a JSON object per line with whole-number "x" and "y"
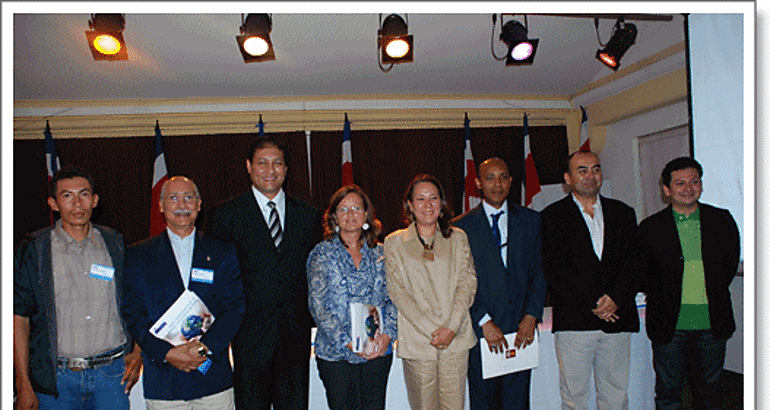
{"x": 82, "y": 363}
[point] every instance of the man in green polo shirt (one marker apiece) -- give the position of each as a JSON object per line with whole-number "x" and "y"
{"x": 692, "y": 251}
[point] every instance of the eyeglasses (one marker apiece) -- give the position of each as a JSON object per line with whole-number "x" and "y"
{"x": 345, "y": 209}
{"x": 188, "y": 198}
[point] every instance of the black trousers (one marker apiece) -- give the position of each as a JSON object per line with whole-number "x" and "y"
{"x": 355, "y": 386}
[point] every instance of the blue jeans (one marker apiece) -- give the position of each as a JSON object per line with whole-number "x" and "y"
{"x": 708, "y": 358}
{"x": 93, "y": 389}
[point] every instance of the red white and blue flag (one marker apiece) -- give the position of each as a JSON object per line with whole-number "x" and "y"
{"x": 159, "y": 176}
{"x": 531, "y": 197}
{"x": 471, "y": 196}
{"x": 585, "y": 141}
{"x": 347, "y": 155}
{"x": 52, "y": 163}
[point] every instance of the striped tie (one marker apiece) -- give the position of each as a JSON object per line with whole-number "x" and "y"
{"x": 275, "y": 225}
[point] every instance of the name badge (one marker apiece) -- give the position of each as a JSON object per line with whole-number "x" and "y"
{"x": 202, "y": 275}
{"x": 102, "y": 272}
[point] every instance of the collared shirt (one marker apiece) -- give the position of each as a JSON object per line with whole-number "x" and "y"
{"x": 595, "y": 225}
{"x": 694, "y": 313}
{"x": 183, "y": 252}
{"x": 502, "y": 224}
{"x": 86, "y": 310}
{"x": 280, "y": 205}
{"x": 334, "y": 283}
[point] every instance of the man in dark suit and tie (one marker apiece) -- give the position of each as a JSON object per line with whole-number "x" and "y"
{"x": 592, "y": 265}
{"x": 505, "y": 243}
{"x": 274, "y": 233}
{"x": 158, "y": 271}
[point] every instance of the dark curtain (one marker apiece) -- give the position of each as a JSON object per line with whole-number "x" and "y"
{"x": 383, "y": 164}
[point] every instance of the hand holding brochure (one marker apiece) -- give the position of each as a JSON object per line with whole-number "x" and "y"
{"x": 365, "y": 325}
{"x": 188, "y": 318}
{"x": 510, "y": 361}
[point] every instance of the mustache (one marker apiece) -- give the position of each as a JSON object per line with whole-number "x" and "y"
{"x": 183, "y": 212}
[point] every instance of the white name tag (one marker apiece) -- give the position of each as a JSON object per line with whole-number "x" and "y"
{"x": 202, "y": 275}
{"x": 102, "y": 272}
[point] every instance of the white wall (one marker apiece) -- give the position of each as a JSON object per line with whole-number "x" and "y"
{"x": 619, "y": 161}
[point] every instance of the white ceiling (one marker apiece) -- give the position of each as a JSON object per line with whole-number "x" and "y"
{"x": 195, "y": 55}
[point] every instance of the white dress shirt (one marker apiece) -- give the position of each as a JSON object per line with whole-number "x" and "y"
{"x": 595, "y": 225}
{"x": 502, "y": 225}
{"x": 183, "y": 252}
{"x": 280, "y": 205}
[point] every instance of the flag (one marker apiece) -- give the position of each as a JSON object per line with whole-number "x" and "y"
{"x": 159, "y": 176}
{"x": 347, "y": 155}
{"x": 470, "y": 195}
{"x": 52, "y": 163}
{"x": 585, "y": 141}
{"x": 530, "y": 188}
{"x": 261, "y": 126}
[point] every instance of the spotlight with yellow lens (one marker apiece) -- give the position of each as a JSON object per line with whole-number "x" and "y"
{"x": 395, "y": 45}
{"x": 254, "y": 41}
{"x": 105, "y": 40}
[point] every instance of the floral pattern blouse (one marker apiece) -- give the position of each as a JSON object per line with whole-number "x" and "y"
{"x": 334, "y": 283}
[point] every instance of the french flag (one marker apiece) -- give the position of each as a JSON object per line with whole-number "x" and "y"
{"x": 471, "y": 196}
{"x": 531, "y": 182}
{"x": 159, "y": 176}
{"x": 585, "y": 141}
{"x": 347, "y": 155}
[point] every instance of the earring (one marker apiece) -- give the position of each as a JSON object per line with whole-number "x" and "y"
{"x": 337, "y": 228}
{"x": 365, "y": 226}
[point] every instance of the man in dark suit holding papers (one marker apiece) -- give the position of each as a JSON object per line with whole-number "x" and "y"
{"x": 197, "y": 373}
{"x": 505, "y": 243}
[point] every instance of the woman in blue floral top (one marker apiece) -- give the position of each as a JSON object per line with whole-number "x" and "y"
{"x": 348, "y": 267}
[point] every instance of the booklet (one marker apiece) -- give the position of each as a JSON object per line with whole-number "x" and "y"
{"x": 188, "y": 318}
{"x": 511, "y": 360}
{"x": 365, "y": 325}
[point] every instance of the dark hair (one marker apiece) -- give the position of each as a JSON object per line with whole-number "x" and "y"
{"x": 570, "y": 156}
{"x": 678, "y": 165}
{"x": 330, "y": 218}
{"x": 445, "y": 217}
{"x": 68, "y": 173}
{"x": 265, "y": 142}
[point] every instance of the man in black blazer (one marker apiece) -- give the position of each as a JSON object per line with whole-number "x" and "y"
{"x": 693, "y": 251}
{"x": 591, "y": 263}
{"x": 505, "y": 243}
{"x": 273, "y": 233}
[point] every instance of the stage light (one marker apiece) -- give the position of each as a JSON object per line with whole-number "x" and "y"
{"x": 105, "y": 40}
{"x": 394, "y": 44}
{"x": 521, "y": 49}
{"x": 254, "y": 40}
{"x": 623, "y": 37}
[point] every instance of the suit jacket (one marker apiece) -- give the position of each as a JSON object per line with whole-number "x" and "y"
{"x": 153, "y": 283}
{"x": 275, "y": 281}
{"x": 506, "y": 293}
{"x": 577, "y": 278}
{"x": 430, "y": 294}
{"x": 720, "y": 248}
{"x": 33, "y": 297}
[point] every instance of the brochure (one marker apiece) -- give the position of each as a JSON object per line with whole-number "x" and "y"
{"x": 510, "y": 361}
{"x": 188, "y": 318}
{"x": 365, "y": 325}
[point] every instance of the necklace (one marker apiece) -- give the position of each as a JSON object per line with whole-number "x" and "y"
{"x": 427, "y": 252}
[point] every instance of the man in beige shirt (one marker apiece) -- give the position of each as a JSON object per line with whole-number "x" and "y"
{"x": 70, "y": 347}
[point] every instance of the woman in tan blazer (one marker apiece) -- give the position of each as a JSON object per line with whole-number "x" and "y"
{"x": 432, "y": 281}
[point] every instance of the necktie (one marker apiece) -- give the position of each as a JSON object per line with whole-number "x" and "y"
{"x": 274, "y": 224}
{"x": 496, "y": 229}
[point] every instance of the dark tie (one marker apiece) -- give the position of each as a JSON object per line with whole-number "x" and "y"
{"x": 274, "y": 224}
{"x": 496, "y": 229}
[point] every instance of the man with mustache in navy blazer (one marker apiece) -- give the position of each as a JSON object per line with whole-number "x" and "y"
{"x": 158, "y": 271}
